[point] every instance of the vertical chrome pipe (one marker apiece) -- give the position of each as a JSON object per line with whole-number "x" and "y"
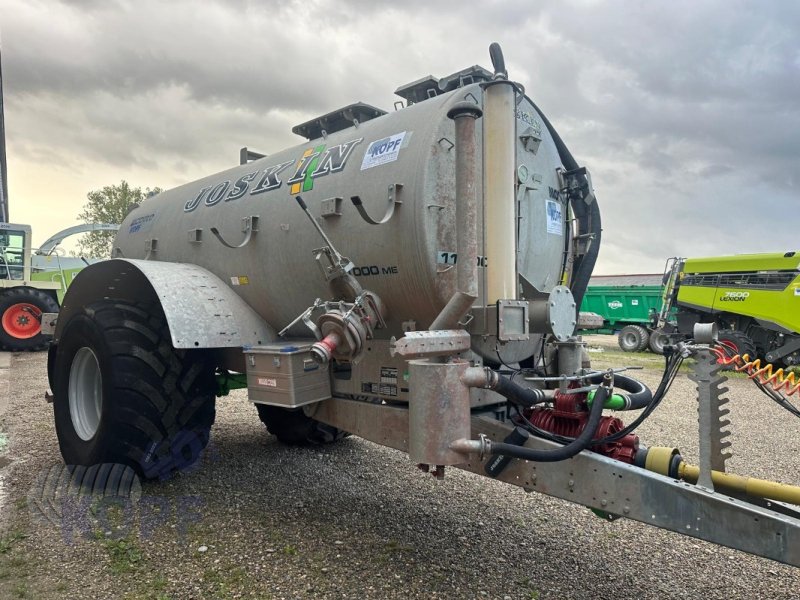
{"x": 499, "y": 159}
{"x": 464, "y": 115}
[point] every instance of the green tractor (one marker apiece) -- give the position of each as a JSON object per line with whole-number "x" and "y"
{"x": 33, "y": 283}
{"x": 754, "y": 299}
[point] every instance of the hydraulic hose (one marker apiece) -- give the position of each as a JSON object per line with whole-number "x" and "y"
{"x": 579, "y": 444}
{"x": 580, "y": 278}
{"x": 638, "y": 396}
{"x": 518, "y": 394}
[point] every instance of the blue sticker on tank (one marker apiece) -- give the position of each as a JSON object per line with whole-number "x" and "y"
{"x": 383, "y": 151}
{"x": 142, "y": 224}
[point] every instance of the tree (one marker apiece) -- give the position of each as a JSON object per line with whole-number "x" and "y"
{"x": 109, "y": 205}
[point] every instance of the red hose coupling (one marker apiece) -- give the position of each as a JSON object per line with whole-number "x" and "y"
{"x": 322, "y": 351}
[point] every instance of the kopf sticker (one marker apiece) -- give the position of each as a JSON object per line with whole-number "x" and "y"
{"x": 383, "y": 151}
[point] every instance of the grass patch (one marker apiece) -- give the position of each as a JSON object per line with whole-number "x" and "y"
{"x": 7, "y": 542}
{"x": 390, "y": 551}
{"x": 530, "y": 592}
{"x": 153, "y": 589}
{"x": 226, "y": 582}
{"x": 21, "y": 590}
{"x": 14, "y": 566}
{"x": 124, "y": 556}
{"x": 159, "y": 584}
{"x": 395, "y": 546}
{"x": 289, "y": 550}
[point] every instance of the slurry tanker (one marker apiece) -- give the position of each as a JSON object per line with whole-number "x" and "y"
{"x": 411, "y": 278}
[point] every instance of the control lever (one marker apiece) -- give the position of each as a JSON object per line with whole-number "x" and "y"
{"x": 339, "y": 264}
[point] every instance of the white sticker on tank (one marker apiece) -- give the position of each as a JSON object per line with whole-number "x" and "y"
{"x": 383, "y": 151}
{"x": 555, "y": 220}
{"x": 268, "y": 381}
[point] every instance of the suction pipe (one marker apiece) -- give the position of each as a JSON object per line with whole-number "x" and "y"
{"x": 499, "y": 158}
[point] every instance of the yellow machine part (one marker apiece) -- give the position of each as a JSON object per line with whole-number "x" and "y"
{"x": 659, "y": 458}
{"x": 751, "y": 486}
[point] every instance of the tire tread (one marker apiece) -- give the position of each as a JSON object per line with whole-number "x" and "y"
{"x": 294, "y": 427}
{"x": 161, "y": 395}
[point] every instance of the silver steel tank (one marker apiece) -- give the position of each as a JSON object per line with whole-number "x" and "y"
{"x": 402, "y": 161}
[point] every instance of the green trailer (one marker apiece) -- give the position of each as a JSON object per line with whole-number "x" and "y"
{"x": 628, "y": 308}
{"x": 622, "y": 305}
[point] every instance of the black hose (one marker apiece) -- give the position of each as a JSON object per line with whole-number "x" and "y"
{"x": 517, "y": 394}
{"x": 589, "y": 221}
{"x": 672, "y": 364}
{"x": 498, "y": 62}
{"x": 638, "y": 396}
{"x": 585, "y": 266}
{"x": 576, "y": 446}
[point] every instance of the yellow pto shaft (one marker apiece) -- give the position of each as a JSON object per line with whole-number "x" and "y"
{"x": 668, "y": 461}
{"x": 751, "y": 486}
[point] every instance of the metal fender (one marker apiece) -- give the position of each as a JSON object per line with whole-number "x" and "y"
{"x": 201, "y": 310}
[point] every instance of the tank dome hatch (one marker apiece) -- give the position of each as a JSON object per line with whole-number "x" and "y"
{"x": 337, "y": 120}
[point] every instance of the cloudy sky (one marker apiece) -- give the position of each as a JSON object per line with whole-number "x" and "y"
{"x": 687, "y": 113}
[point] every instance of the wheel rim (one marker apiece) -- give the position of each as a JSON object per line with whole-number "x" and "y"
{"x": 630, "y": 339}
{"x": 659, "y": 341}
{"x": 85, "y": 393}
{"x": 22, "y": 320}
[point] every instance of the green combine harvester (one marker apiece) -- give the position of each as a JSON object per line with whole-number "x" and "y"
{"x": 754, "y": 298}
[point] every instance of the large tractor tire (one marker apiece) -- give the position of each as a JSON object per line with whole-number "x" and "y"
{"x": 294, "y": 427}
{"x": 21, "y": 318}
{"x": 124, "y": 395}
{"x": 633, "y": 338}
{"x": 736, "y": 343}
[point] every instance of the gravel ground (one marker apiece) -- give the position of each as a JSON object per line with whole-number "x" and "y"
{"x": 356, "y": 520}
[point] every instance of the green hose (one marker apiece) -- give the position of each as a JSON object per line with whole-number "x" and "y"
{"x": 614, "y": 402}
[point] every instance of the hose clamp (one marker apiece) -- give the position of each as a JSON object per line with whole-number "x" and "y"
{"x": 485, "y": 446}
{"x": 608, "y": 381}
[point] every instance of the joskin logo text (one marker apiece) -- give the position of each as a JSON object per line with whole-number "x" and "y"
{"x": 314, "y": 163}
